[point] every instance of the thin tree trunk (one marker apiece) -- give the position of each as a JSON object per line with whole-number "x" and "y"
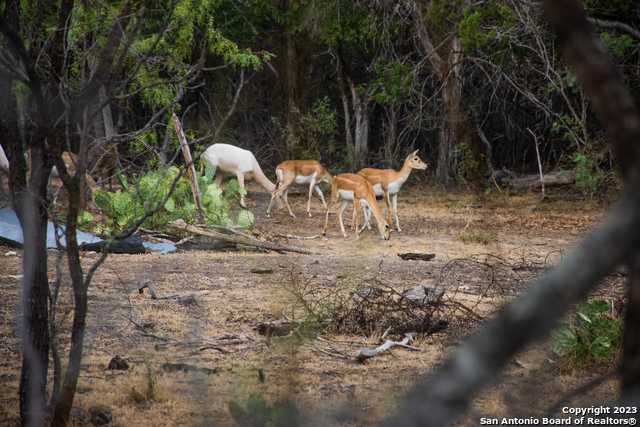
{"x": 345, "y": 101}
{"x": 361, "y": 113}
{"x": 390, "y": 145}
{"x": 32, "y": 213}
{"x": 290, "y": 82}
{"x": 75, "y": 191}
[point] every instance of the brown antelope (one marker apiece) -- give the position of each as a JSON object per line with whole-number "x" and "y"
{"x": 70, "y": 160}
{"x": 300, "y": 172}
{"x": 348, "y": 188}
{"x": 387, "y": 182}
{"x": 104, "y": 160}
{"x": 231, "y": 160}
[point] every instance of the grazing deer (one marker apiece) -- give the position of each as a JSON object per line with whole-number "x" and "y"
{"x": 349, "y": 188}
{"x": 70, "y": 160}
{"x": 300, "y": 172}
{"x": 231, "y": 160}
{"x": 387, "y": 182}
{"x": 104, "y": 160}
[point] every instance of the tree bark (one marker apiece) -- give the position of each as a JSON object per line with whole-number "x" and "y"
{"x": 391, "y": 137}
{"x": 31, "y": 209}
{"x": 361, "y": 113}
{"x": 455, "y": 127}
{"x": 345, "y": 100}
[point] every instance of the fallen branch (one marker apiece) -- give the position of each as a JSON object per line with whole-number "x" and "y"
{"x": 209, "y": 343}
{"x": 240, "y": 240}
{"x": 281, "y": 327}
{"x": 421, "y": 257}
{"x": 333, "y": 352}
{"x": 290, "y": 236}
{"x": 152, "y": 291}
{"x": 144, "y": 330}
{"x": 185, "y": 367}
{"x": 367, "y": 353}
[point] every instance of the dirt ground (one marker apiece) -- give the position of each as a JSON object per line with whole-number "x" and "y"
{"x": 237, "y": 290}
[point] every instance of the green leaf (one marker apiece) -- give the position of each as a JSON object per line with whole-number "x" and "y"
{"x": 103, "y": 200}
{"x": 233, "y": 186}
{"x": 564, "y": 336}
{"x": 122, "y": 179}
{"x": 256, "y": 407}
{"x": 209, "y": 172}
{"x": 170, "y": 205}
{"x": 607, "y": 327}
{"x": 600, "y": 306}
{"x": 122, "y": 203}
{"x": 601, "y": 348}
{"x": 559, "y": 350}
{"x": 245, "y": 218}
{"x": 84, "y": 217}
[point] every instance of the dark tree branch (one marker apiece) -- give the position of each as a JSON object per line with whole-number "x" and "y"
{"x": 618, "y": 26}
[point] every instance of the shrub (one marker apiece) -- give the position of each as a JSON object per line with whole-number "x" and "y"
{"x": 590, "y": 333}
{"x": 124, "y": 207}
{"x": 471, "y": 235}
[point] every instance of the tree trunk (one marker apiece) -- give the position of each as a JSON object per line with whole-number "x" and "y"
{"x": 290, "y": 83}
{"x": 361, "y": 113}
{"x": 456, "y": 127}
{"x": 391, "y": 137}
{"x": 31, "y": 209}
{"x": 345, "y": 101}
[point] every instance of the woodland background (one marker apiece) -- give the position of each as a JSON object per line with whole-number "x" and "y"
{"x": 476, "y": 87}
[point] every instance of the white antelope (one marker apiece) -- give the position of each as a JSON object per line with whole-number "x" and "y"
{"x": 4, "y": 162}
{"x": 300, "y": 172}
{"x": 231, "y": 160}
{"x": 349, "y": 188}
{"x": 387, "y": 182}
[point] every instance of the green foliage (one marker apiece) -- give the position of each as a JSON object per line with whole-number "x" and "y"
{"x": 313, "y": 130}
{"x": 124, "y": 207}
{"x": 582, "y": 169}
{"x": 393, "y": 83}
{"x": 618, "y": 45}
{"x": 584, "y": 173}
{"x": 84, "y": 217}
{"x": 339, "y": 23}
{"x": 590, "y": 332}
{"x": 607, "y": 7}
{"x": 281, "y": 414}
{"x": 468, "y": 166}
{"x": 480, "y": 25}
{"x": 471, "y": 32}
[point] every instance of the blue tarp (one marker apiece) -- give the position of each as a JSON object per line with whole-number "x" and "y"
{"x": 10, "y": 229}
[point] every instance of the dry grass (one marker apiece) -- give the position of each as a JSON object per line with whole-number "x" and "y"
{"x": 329, "y": 390}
